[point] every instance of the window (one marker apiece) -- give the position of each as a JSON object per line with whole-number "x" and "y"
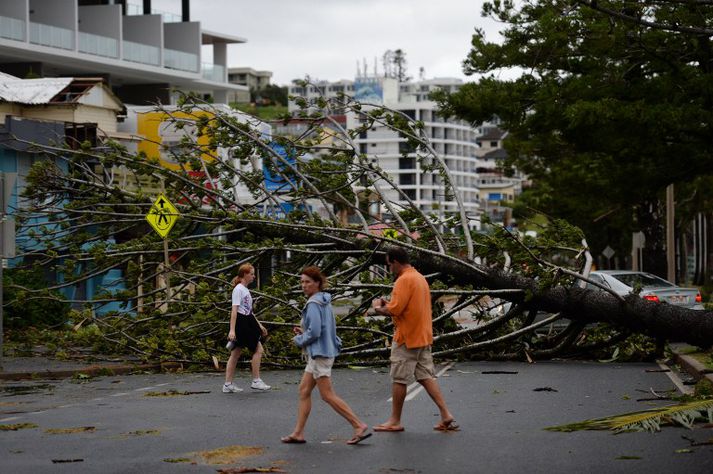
{"x": 494, "y": 144}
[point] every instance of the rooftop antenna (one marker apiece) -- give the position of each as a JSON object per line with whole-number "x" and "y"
{"x": 358, "y": 73}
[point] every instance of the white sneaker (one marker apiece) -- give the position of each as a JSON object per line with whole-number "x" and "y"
{"x": 259, "y": 385}
{"x": 231, "y": 388}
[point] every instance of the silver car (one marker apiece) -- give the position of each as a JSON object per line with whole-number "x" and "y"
{"x": 653, "y": 288}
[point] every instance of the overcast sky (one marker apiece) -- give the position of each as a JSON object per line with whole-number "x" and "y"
{"x": 326, "y": 38}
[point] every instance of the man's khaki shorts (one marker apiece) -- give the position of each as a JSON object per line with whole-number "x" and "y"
{"x": 320, "y": 366}
{"x": 407, "y": 364}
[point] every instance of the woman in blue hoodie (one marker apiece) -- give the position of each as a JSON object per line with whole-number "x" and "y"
{"x": 317, "y": 337}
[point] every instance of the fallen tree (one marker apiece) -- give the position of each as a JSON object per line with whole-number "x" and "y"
{"x": 86, "y": 216}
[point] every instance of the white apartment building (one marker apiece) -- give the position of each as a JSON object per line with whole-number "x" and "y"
{"x": 143, "y": 54}
{"x": 250, "y": 78}
{"x": 453, "y": 140}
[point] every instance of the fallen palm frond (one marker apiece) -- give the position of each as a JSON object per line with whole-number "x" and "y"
{"x": 684, "y": 414}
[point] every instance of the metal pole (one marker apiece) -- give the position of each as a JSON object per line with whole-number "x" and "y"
{"x": 670, "y": 238}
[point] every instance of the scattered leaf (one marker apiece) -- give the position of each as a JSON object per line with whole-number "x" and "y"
{"x": 176, "y": 460}
{"x": 683, "y": 451}
{"x": 240, "y": 470}
{"x": 173, "y": 393}
{"x": 544, "y": 389}
{"x": 228, "y": 454}
{"x": 143, "y": 432}
{"x": 626, "y": 397}
{"x": 79, "y": 429}
{"x": 66, "y": 460}
{"x": 216, "y": 364}
{"x": 357, "y": 367}
{"x": 626, "y": 458}
{"x": 18, "y": 426}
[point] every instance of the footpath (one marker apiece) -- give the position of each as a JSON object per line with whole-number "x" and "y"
{"x": 42, "y": 366}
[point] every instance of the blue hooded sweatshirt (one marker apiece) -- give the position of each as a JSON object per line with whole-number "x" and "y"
{"x": 319, "y": 328}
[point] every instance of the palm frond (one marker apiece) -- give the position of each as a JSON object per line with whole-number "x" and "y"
{"x": 684, "y": 414}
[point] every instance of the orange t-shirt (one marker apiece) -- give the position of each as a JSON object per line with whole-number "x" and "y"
{"x": 410, "y": 307}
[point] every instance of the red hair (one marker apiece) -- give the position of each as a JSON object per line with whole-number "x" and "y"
{"x": 315, "y": 274}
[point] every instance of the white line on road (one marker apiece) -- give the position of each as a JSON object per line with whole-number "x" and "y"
{"x": 120, "y": 394}
{"x": 10, "y": 419}
{"x": 411, "y": 393}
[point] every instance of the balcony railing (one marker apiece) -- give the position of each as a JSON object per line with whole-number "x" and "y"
{"x": 213, "y": 72}
{"x": 12, "y": 28}
{"x": 98, "y": 45}
{"x": 54, "y": 36}
{"x": 181, "y": 60}
{"x": 141, "y": 53}
{"x": 168, "y": 17}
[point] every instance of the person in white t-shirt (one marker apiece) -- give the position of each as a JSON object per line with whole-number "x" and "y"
{"x": 245, "y": 331}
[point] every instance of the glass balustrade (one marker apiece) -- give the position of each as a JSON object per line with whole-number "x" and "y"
{"x": 54, "y": 36}
{"x": 98, "y": 45}
{"x": 12, "y": 28}
{"x": 180, "y": 60}
{"x": 213, "y": 72}
{"x": 141, "y": 53}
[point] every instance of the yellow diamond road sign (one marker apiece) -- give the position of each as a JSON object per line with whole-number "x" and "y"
{"x": 162, "y": 216}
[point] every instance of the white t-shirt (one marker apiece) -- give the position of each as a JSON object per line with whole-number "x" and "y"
{"x": 242, "y": 299}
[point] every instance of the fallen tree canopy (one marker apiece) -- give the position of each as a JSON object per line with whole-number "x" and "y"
{"x": 85, "y": 215}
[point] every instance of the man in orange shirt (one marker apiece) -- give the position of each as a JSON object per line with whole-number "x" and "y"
{"x": 410, "y": 309}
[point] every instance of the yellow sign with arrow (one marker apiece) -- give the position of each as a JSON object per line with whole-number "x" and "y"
{"x": 162, "y": 216}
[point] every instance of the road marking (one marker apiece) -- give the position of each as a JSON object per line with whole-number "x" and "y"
{"x": 676, "y": 379}
{"x": 411, "y": 393}
{"x": 120, "y": 394}
{"x": 10, "y": 419}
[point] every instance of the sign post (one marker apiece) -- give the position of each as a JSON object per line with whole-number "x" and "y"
{"x": 162, "y": 216}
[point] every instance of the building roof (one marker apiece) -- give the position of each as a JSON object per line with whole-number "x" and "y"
{"x": 492, "y": 133}
{"x": 497, "y": 154}
{"x": 32, "y": 91}
{"x": 57, "y": 90}
{"x": 211, "y": 37}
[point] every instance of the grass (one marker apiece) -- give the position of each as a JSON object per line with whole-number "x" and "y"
{"x": 267, "y": 112}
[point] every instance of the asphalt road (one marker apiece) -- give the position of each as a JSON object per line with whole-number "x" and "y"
{"x": 501, "y": 415}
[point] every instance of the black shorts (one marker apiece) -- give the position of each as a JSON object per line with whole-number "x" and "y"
{"x": 247, "y": 332}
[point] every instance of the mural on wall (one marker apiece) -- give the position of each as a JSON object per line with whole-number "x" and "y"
{"x": 163, "y": 139}
{"x": 369, "y": 90}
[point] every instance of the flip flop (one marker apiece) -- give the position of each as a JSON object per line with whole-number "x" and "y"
{"x": 356, "y": 439}
{"x": 292, "y": 440}
{"x": 388, "y": 428}
{"x": 449, "y": 425}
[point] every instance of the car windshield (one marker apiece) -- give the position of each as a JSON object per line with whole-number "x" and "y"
{"x": 641, "y": 279}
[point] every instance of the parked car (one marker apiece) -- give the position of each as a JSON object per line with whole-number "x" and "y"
{"x": 653, "y": 288}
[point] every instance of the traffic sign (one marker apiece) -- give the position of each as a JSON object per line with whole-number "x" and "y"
{"x": 162, "y": 216}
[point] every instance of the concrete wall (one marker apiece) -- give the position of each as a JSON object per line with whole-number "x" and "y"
{"x": 15, "y": 9}
{"x": 103, "y": 20}
{"x": 184, "y": 37}
{"x": 62, "y": 13}
{"x": 145, "y": 29}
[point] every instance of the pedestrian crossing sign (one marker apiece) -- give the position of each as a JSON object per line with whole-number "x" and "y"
{"x": 162, "y": 216}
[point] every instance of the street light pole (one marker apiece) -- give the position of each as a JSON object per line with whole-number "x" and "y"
{"x": 670, "y": 237}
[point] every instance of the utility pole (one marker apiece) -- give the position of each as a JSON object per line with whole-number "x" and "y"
{"x": 7, "y": 238}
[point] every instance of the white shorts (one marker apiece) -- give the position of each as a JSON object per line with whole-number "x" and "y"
{"x": 320, "y": 367}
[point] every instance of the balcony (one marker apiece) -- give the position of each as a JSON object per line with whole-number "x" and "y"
{"x": 180, "y": 60}
{"x": 213, "y": 72}
{"x": 12, "y": 28}
{"x": 141, "y": 53}
{"x": 54, "y": 36}
{"x": 98, "y": 45}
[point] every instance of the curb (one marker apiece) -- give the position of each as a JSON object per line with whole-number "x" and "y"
{"x": 694, "y": 368}
{"x": 90, "y": 370}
